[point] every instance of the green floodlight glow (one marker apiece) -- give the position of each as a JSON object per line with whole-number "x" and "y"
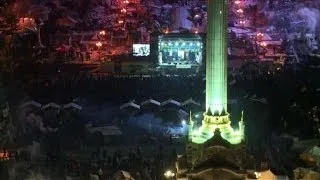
{"x": 216, "y": 115}
{"x": 201, "y": 135}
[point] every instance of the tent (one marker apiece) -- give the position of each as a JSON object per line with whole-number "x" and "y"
{"x": 130, "y": 107}
{"x": 72, "y": 105}
{"x": 31, "y": 103}
{"x": 170, "y": 102}
{"x": 266, "y": 175}
{"x": 50, "y": 105}
{"x": 150, "y": 104}
{"x": 122, "y": 175}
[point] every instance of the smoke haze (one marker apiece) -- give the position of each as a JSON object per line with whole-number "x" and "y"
{"x": 311, "y": 16}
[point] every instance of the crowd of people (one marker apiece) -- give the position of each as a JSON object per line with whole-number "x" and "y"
{"x": 143, "y": 160}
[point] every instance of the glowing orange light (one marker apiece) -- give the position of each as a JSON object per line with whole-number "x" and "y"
{"x": 123, "y": 10}
{"x": 102, "y": 33}
{"x": 98, "y": 44}
{"x": 4, "y": 155}
{"x": 120, "y": 21}
{"x": 126, "y": 2}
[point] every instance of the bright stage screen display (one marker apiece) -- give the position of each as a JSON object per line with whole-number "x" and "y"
{"x": 180, "y": 52}
{"x": 141, "y": 49}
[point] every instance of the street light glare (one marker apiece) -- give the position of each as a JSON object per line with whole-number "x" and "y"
{"x": 98, "y": 44}
{"x": 239, "y": 11}
{"x": 169, "y": 174}
{"x": 237, "y": 2}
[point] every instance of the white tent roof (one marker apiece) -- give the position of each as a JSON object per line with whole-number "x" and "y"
{"x": 239, "y": 30}
{"x": 130, "y": 104}
{"x": 72, "y": 105}
{"x": 182, "y": 112}
{"x": 123, "y": 174}
{"x": 51, "y": 104}
{"x": 33, "y": 103}
{"x": 170, "y": 101}
{"x": 150, "y": 101}
{"x": 190, "y": 101}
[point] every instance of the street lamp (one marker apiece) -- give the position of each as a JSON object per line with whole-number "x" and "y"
{"x": 263, "y": 44}
{"x": 260, "y": 35}
{"x": 99, "y": 44}
{"x": 240, "y": 11}
{"x": 169, "y": 174}
{"x": 237, "y": 2}
{"x": 102, "y": 33}
{"x": 123, "y": 10}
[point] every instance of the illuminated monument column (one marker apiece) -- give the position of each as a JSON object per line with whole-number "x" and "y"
{"x": 216, "y": 115}
{"x": 216, "y": 62}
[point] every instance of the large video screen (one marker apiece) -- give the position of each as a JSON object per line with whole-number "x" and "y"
{"x": 141, "y": 49}
{"x": 180, "y": 52}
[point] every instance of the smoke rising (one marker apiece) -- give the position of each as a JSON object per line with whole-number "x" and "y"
{"x": 149, "y": 121}
{"x": 311, "y": 16}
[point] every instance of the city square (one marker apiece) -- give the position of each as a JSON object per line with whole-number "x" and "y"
{"x": 134, "y": 89}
